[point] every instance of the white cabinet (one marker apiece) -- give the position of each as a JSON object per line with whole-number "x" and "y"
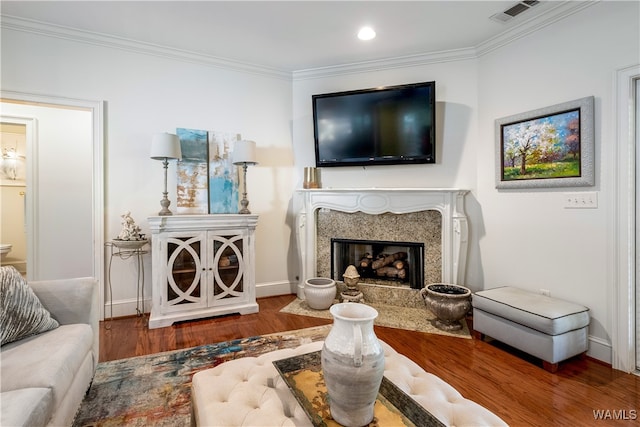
{"x": 202, "y": 266}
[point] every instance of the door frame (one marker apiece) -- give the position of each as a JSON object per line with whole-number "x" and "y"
{"x": 622, "y": 307}
{"x": 97, "y": 116}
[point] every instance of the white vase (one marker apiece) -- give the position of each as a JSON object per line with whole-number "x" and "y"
{"x": 320, "y": 292}
{"x": 352, "y": 364}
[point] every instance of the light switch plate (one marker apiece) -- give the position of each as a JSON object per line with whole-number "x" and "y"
{"x": 581, "y": 200}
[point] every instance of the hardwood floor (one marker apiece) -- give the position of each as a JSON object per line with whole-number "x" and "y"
{"x": 505, "y": 381}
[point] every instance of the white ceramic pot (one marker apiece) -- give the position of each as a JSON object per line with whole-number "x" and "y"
{"x": 352, "y": 364}
{"x": 320, "y": 292}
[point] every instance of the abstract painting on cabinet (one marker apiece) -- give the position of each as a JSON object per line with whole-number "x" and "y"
{"x": 192, "y": 192}
{"x": 207, "y": 177}
{"x": 223, "y": 175}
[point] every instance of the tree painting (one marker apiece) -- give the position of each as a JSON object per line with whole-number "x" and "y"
{"x": 544, "y": 147}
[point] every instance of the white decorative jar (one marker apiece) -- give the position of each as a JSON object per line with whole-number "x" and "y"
{"x": 320, "y": 292}
{"x": 352, "y": 364}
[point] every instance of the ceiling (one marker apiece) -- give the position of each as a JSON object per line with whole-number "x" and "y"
{"x": 291, "y": 35}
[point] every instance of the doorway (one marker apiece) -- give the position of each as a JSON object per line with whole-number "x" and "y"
{"x": 13, "y": 186}
{"x": 64, "y": 185}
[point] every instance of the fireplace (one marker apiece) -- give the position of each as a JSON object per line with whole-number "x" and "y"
{"x": 433, "y": 216}
{"x": 381, "y": 262}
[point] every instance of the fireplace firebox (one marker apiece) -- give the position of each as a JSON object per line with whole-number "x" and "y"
{"x": 380, "y": 262}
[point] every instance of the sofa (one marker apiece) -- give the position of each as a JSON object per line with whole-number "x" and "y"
{"x": 45, "y": 375}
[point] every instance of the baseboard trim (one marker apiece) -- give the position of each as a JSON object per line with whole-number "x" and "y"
{"x": 127, "y": 307}
{"x": 271, "y": 289}
{"x": 600, "y": 349}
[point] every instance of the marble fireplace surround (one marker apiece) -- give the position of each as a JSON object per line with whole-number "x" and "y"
{"x": 449, "y": 202}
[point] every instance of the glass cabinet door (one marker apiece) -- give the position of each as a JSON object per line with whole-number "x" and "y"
{"x": 185, "y": 273}
{"x": 228, "y": 268}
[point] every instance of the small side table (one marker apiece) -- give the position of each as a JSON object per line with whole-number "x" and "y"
{"x": 125, "y": 249}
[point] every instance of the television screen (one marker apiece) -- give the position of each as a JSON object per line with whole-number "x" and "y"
{"x": 389, "y": 125}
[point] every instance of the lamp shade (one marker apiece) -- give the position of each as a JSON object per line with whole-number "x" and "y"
{"x": 165, "y": 146}
{"x": 244, "y": 152}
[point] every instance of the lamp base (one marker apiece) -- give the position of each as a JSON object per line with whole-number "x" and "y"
{"x": 165, "y": 202}
{"x": 244, "y": 203}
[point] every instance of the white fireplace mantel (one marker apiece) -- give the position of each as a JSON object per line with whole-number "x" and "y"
{"x": 448, "y": 201}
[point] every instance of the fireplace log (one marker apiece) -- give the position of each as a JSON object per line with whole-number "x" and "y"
{"x": 398, "y": 264}
{"x": 366, "y": 260}
{"x": 391, "y": 272}
{"x": 388, "y": 259}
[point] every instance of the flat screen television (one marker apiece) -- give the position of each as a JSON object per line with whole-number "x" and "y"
{"x": 379, "y": 126}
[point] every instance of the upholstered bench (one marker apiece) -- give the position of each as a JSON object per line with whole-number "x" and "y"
{"x": 548, "y": 328}
{"x": 250, "y": 392}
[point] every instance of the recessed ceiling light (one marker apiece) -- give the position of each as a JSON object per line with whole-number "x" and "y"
{"x": 366, "y": 33}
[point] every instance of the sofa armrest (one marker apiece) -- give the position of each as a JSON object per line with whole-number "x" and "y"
{"x": 71, "y": 301}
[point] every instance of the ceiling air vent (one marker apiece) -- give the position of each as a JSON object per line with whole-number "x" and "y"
{"x": 514, "y": 10}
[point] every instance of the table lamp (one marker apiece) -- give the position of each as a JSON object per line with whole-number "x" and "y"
{"x": 244, "y": 153}
{"x": 165, "y": 146}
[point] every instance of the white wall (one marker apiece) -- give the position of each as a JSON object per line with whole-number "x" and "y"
{"x": 527, "y": 238}
{"x": 456, "y": 98}
{"x": 145, "y": 94}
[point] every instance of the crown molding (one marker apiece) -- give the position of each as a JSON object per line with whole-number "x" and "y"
{"x": 108, "y": 41}
{"x": 554, "y": 14}
{"x": 386, "y": 64}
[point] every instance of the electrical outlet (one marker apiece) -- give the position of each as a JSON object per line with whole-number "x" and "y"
{"x": 545, "y": 292}
{"x": 582, "y": 200}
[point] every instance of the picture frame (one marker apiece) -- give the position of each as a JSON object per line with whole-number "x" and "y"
{"x": 546, "y": 148}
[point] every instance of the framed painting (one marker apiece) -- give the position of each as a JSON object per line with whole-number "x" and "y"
{"x": 193, "y": 194}
{"x": 549, "y": 147}
{"x": 223, "y": 175}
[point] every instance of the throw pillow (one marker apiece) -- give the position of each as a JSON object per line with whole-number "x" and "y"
{"x": 21, "y": 312}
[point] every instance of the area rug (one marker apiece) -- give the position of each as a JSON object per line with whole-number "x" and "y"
{"x": 156, "y": 389}
{"x": 409, "y": 318}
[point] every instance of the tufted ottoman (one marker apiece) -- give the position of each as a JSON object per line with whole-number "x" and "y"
{"x": 250, "y": 392}
{"x": 548, "y": 328}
